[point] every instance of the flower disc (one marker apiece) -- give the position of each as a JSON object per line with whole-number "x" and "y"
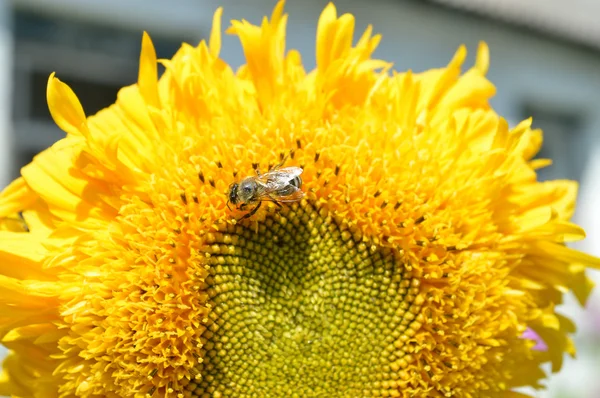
{"x": 302, "y": 307}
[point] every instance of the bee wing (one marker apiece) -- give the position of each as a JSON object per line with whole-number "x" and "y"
{"x": 293, "y": 197}
{"x": 293, "y": 172}
{"x": 276, "y": 179}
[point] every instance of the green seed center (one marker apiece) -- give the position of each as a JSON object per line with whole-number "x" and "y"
{"x": 303, "y": 308}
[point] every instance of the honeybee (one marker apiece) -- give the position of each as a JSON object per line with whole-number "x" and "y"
{"x": 279, "y": 185}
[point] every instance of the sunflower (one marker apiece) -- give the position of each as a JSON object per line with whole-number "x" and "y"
{"x": 425, "y": 259}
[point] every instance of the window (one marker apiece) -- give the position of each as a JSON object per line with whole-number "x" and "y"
{"x": 93, "y": 96}
{"x": 563, "y": 141}
{"x": 94, "y": 60}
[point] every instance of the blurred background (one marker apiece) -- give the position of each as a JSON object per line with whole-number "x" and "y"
{"x": 545, "y": 63}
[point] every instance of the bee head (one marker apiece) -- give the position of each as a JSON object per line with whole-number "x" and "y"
{"x": 233, "y": 188}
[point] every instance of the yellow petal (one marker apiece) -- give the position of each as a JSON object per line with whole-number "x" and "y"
{"x": 148, "y": 72}
{"x": 482, "y": 61}
{"x": 22, "y": 258}
{"x": 214, "y": 43}
{"x": 65, "y": 108}
{"x": 13, "y": 381}
{"x": 69, "y": 195}
{"x": 537, "y": 164}
{"x": 566, "y": 254}
{"x": 29, "y": 332}
{"x": 582, "y": 286}
{"x": 325, "y": 36}
{"x": 27, "y": 248}
{"x": 435, "y": 83}
{"x": 264, "y": 48}
{"x": 15, "y": 197}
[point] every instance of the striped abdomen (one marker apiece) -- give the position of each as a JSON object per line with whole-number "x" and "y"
{"x": 293, "y": 186}
{"x": 297, "y": 182}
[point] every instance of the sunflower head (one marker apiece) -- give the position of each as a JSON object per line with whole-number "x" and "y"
{"x": 423, "y": 259}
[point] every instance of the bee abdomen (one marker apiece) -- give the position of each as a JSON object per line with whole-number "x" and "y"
{"x": 297, "y": 182}
{"x": 291, "y": 187}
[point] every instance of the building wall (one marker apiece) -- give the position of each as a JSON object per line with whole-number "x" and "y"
{"x": 558, "y": 83}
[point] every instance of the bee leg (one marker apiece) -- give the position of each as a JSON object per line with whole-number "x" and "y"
{"x": 242, "y": 206}
{"x": 278, "y": 165}
{"x": 251, "y": 213}
{"x": 274, "y": 201}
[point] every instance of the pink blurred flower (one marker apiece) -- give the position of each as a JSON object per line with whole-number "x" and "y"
{"x": 530, "y": 334}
